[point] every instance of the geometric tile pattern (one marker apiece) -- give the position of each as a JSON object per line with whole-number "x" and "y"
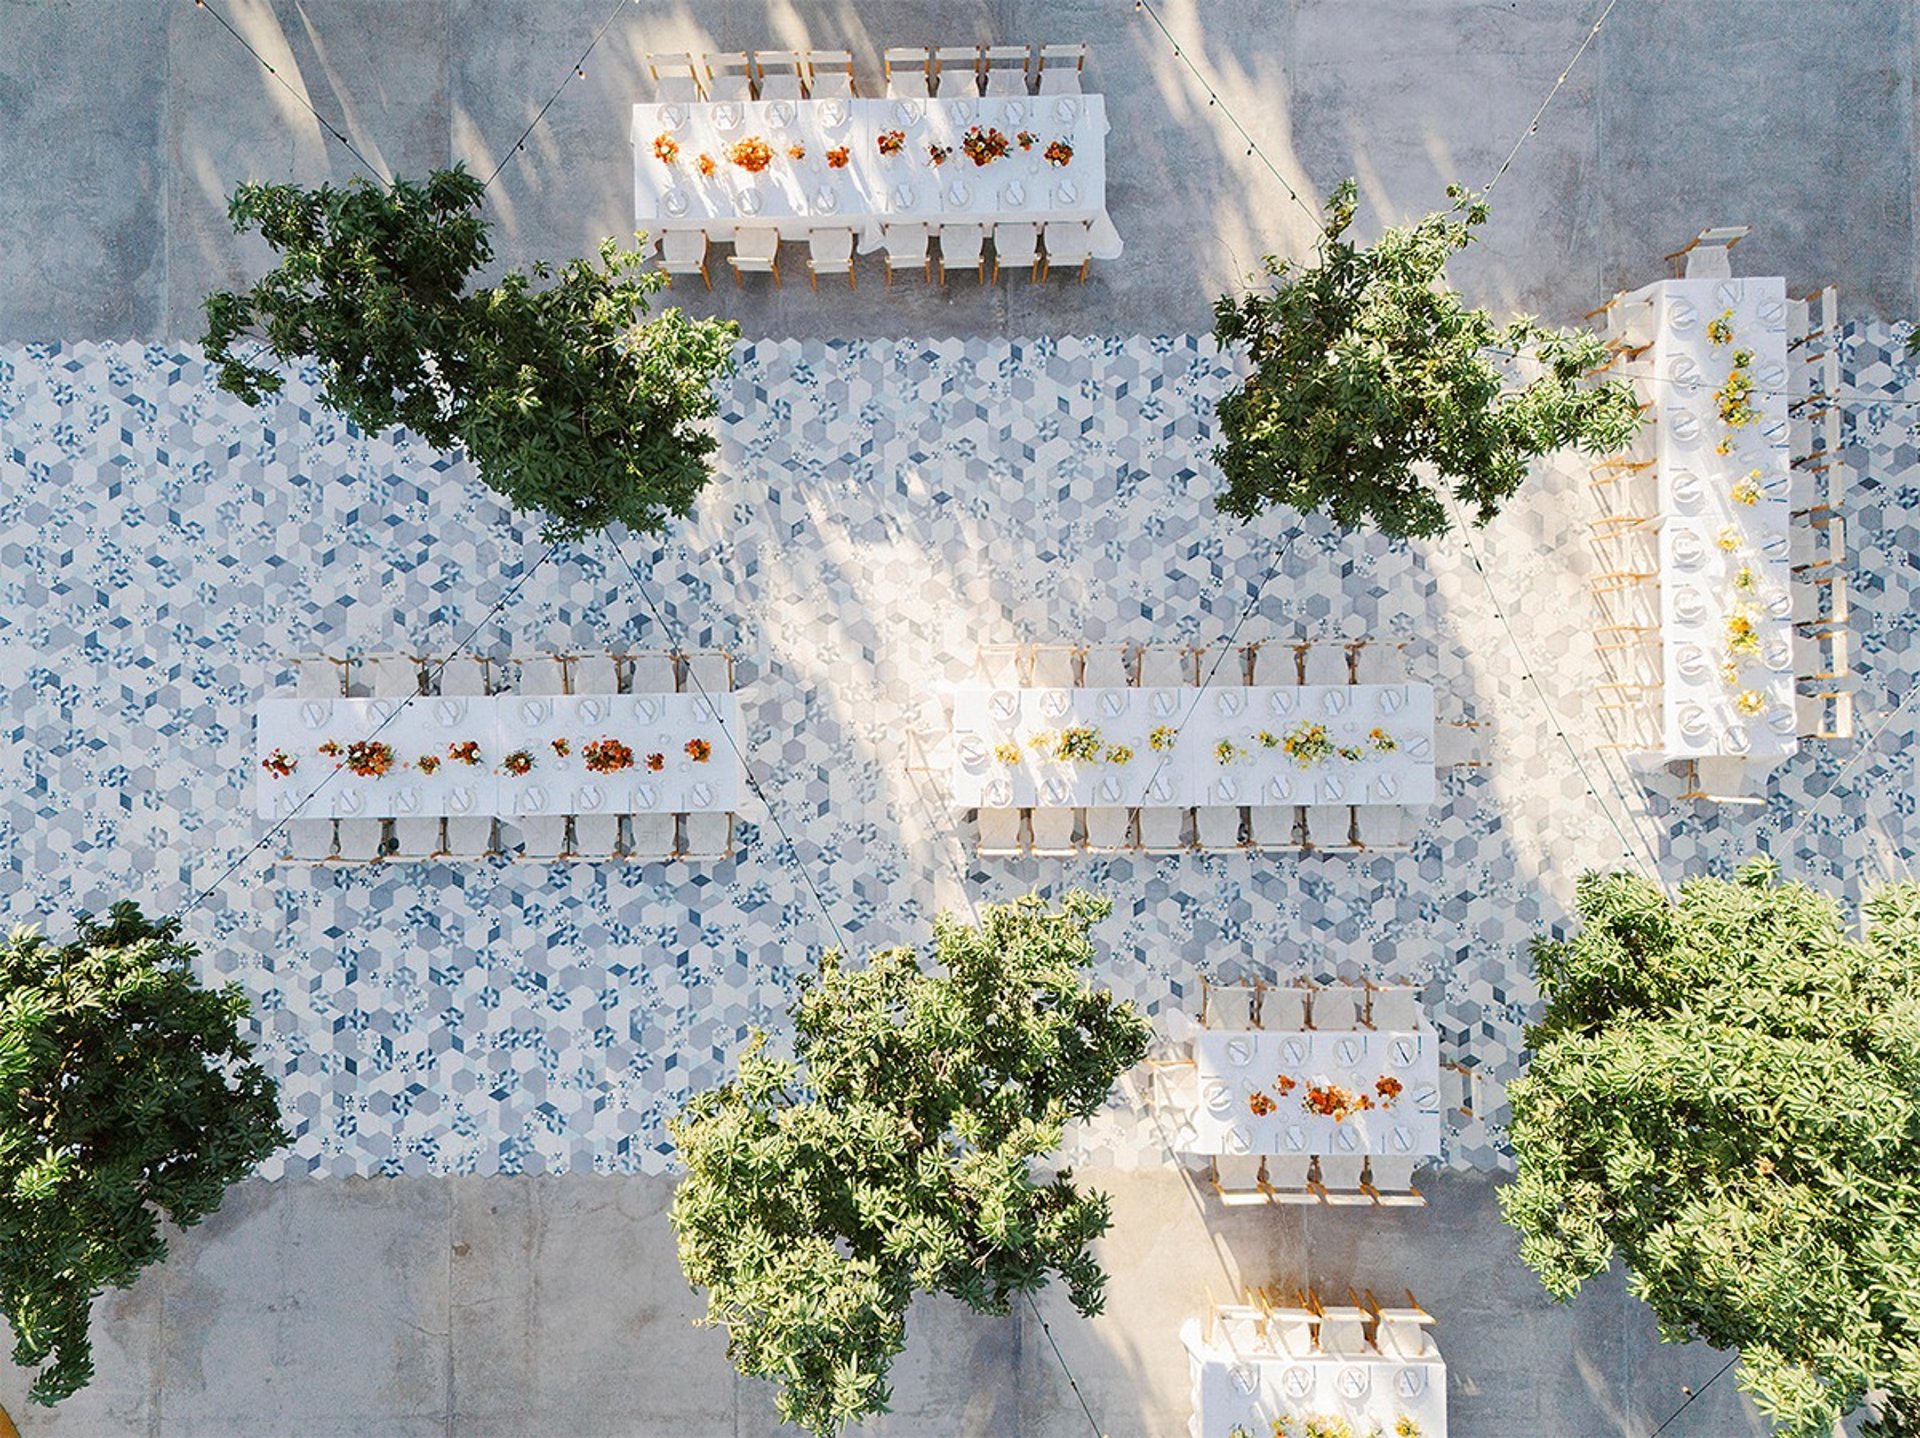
{"x": 883, "y": 507}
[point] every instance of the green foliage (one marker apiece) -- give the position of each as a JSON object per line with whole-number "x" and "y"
{"x": 1367, "y": 369}
{"x": 126, "y": 1095}
{"x": 567, "y": 401}
{"x": 1724, "y": 1091}
{"x": 897, "y": 1154}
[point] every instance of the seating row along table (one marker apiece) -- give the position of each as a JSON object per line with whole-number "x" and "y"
{"x": 1240, "y": 1382}
{"x": 427, "y": 778}
{"x": 1389, "y": 729}
{"x": 871, "y": 188}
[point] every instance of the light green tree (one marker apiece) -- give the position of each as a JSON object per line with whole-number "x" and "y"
{"x": 1725, "y": 1091}
{"x": 1365, "y": 369}
{"x": 899, "y": 1154}
{"x": 127, "y": 1096}
{"x": 567, "y": 399}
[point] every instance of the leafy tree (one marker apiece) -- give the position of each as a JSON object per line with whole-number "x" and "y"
{"x": 567, "y": 401}
{"x": 1367, "y": 370}
{"x": 816, "y": 1204}
{"x": 1724, "y": 1092}
{"x": 126, "y": 1096}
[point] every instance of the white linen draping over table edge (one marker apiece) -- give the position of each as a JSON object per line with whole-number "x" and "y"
{"x": 1698, "y": 716}
{"x": 501, "y": 724}
{"x": 1272, "y": 1385}
{"x": 1191, "y": 774}
{"x": 796, "y": 196}
{"x": 1230, "y": 1064}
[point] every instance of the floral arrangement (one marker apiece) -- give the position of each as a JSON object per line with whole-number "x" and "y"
{"x": 1027, "y": 139}
{"x": 983, "y": 147}
{"x": 427, "y": 763}
{"x": 1389, "y": 1089}
{"x": 606, "y": 756}
{"x": 1729, "y": 539}
{"x": 891, "y": 142}
{"x": 1162, "y": 738}
{"x": 1077, "y": 745}
{"x": 369, "y": 758}
{"x": 1261, "y": 1103}
{"x": 839, "y": 157}
{"x": 1746, "y": 491}
{"x": 699, "y": 750}
{"x": 706, "y": 165}
{"x": 1225, "y": 752}
{"x": 1307, "y": 744}
{"x": 752, "y": 154}
{"x": 1267, "y": 739}
{"x": 1382, "y": 742}
{"x": 1720, "y": 331}
{"x": 1745, "y": 581}
{"x": 1043, "y": 740}
{"x": 1058, "y": 154}
{"x": 1007, "y": 753}
{"x": 1750, "y": 702}
{"x": 517, "y": 763}
{"x": 1352, "y": 753}
{"x": 331, "y": 748}
{"x": 1406, "y": 1427}
{"x": 937, "y": 154}
{"x": 280, "y": 764}
{"x": 656, "y": 762}
{"x": 1285, "y": 1084}
{"x": 1732, "y": 396}
{"x": 1327, "y": 1425}
{"x": 666, "y": 149}
{"x": 1332, "y": 1101}
{"x": 1119, "y": 754}
{"x": 796, "y": 151}
{"x": 467, "y": 752}
{"x": 1729, "y": 673}
{"x": 561, "y": 748}
{"x": 1743, "y": 637}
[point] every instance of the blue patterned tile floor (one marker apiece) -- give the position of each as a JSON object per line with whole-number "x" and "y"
{"x": 884, "y": 507}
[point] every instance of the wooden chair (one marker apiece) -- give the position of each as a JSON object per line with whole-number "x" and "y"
{"x": 1284, "y": 1008}
{"x": 1016, "y": 242}
{"x": 961, "y": 249}
{"x": 1327, "y": 664}
{"x": 729, "y": 76}
{"x": 1164, "y": 666}
{"x": 1721, "y": 781}
{"x": 684, "y": 252}
{"x": 830, "y": 252}
{"x": 1002, "y": 833}
{"x": 1060, "y": 69}
{"x": 830, "y": 75}
{"x": 1824, "y": 714}
{"x": 1274, "y": 826}
{"x": 1705, "y": 256}
{"x": 956, "y": 71}
{"x": 908, "y": 73}
{"x": 468, "y": 836}
{"x": 907, "y": 245}
{"x": 1230, "y": 1006}
{"x": 1289, "y": 1181}
{"x": 1007, "y": 69}
{"x": 1390, "y": 1182}
{"x": 1110, "y": 830}
{"x": 780, "y": 73}
{"x": 1339, "y": 1180}
{"x": 756, "y": 250}
{"x": 708, "y": 836}
{"x": 1053, "y": 830}
{"x": 1238, "y": 1179}
{"x": 1819, "y": 543}
{"x": 1069, "y": 243}
{"x": 1338, "y": 1008}
{"x": 1162, "y": 831}
{"x": 675, "y": 76}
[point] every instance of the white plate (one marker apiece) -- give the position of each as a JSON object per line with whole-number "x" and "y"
{"x": 1334, "y": 701}
{"x": 1055, "y": 702}
{"x": 1419, "y": 747}
{"x": 1683, "y": 371}
{"x": 726, "y": 116}
{"x": 1772, "y": 314}
{"x": 1227, "y": 701}
{"x": 1280, "y": 789}
{"x": 1689, "y": 549}
{"x": 1067, "y": 108}
{"x": 1057, "y": 792}
{"x": 1736, "y": 739}
{"x": 314, "y": 713}
{"x": 1331, "y": 787}
{"x": 1003, "y": 704}
{"x": 973, "y": 753}
{"x": 1777, "y": 656}
{"x": 832, "y": 113}
{"x": 1111, "y": 789}
{"x": 826, "y": 200}
{"x": 907, "y": 112}
{"x": 648, "y": 709}
{"x": 959, "y": 196}
{"x": 1693, "y": 721}
{"x": 407, "y": 801}
{"x": 460, "y": 800}
{"x": 535, "y": 711}
{"x": 645, "y": 796}
{"x": 1160, "y": 790}
{"x": 780, "y": 115}
{"x": 1353, "y": 1382}
{"x": 1014, "y": 112}
{"x": 587, "y": 798}
{"x": 1686, "y": 488}
{"x": 384, "y": 709}
{"x": 1391, "y": 699}
{"x": 1239, "y": 1051}
{"x": 1781, "y": 721}
{"x": 902, "y": 198}
{"x": 1281, "y": 700}
{"x": 450, "y": 711}
{"x": 672, "y": 117}
{"x": 592, "y": 711}
{"x": 1727, "y": 293}
{"x": 1297, "y": 1381}
{"x": 999, "y": 794}
{"x": 348, "y": 801}
{"x": 702, "y": 709}
{"x": 1683, "y": 425}
{"x": 1775, "y": 546}
{"x": 748, "y": 200}
{"x": 701, "y": 796}
{"x": 1690, "y": 604}
{"x": 1386, "y": 787}
{"x": 1014, "y": 196}
{"x": 1065, "y": 195}
{"x": 1113, "y": 703}
{"x": 1294, "y": 1051}
{"x": 532, "y": 800}
{"x": 962, "y": 112}
{"x": 1165, "y": 701}
{"x": 1348, "y": 1051}
{"x": 1217, "y": 1096}
{"x": 1691, "y": 661}
{"x": 1225, "y": 791}
{"x": 1681, "y": 316}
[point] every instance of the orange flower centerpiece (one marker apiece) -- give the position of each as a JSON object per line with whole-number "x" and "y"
{"x": 656, "y": 762}
{"x": 562, "y": 748}
{"x": 467, "y": 752}
{"x": 937, "y": 154}
{"x": 1260, "y": 1103}
{"x": 983, "y": 147}
{"x": 1284, "y": 1084}
{"x": 280, "y": 764}
{"x": 699, "y": 750}
{"x": 606, "y": 756}
{"x": 796, "y": 152}
{"x": 369, "y": 758}
{"x": 427, "y": 763}
{"x": 1027, "y": 139}
{"x": 891, "y": 142}
{"x": 1058, "y": 154}
{"x": 752, "y": 154}
{"x": 1388, "y": 1087}
{"x": 706, "y": 165}
{"x": 666, "y": 149}
{"x": 1332, "y": 1101}
{"x": 517, "y": 763}
{"x": 838, "y": 157}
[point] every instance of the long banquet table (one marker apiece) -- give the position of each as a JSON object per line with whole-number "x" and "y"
{"x": 872, "y": 189}
{"x": 1232, "y": 1065}
{"x": 1708, "y": 535}
{"x": 1238, "y": 1382}
{"x": 1257, "y": 773}
{"x": 649, "y": 724}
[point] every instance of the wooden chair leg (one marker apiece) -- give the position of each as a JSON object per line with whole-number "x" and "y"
{"x": 852, "y": 283}
{"x": 776, "y": 274}
{"x": 1083, "y": 268}
{"x": 981, "y": 271}
{"x": 813, "y": 277}
{"x": 738, "y": 283}
{"x": 704, "y": 275}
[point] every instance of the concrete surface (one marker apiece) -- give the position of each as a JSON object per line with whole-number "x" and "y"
{"x": 524, "y": 1306}
{"x": 129, "y": 121}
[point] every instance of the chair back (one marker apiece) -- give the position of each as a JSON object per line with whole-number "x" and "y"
{"x": 1338, "y": 1007}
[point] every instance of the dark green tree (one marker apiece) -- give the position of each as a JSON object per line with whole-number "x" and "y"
{"x": 1373, "y": 391}
{"x": 898, "y": 1155}
{"x": 126, "y": 1096}
{"x": 567, "y": 399}
{"x": 1726, "y": 1092}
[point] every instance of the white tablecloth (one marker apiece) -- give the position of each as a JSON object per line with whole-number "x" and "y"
{"x": 1697, "y": 569}
{"x": 1192, "y": 773}
{"x": 872, "y": 189}
{"x": 1238, "y": 1382}
{"x": 501, "y": 723}
{"x": 1233, "y": 1065}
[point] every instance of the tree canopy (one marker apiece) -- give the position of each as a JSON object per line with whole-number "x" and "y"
{"x": 1366, "y": 370}
{"x": 126, "y": 1096}
{"x": 898, "y": 1154}
{"x": 1723, "y": 1091}
{"x": 568, "y": 401}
